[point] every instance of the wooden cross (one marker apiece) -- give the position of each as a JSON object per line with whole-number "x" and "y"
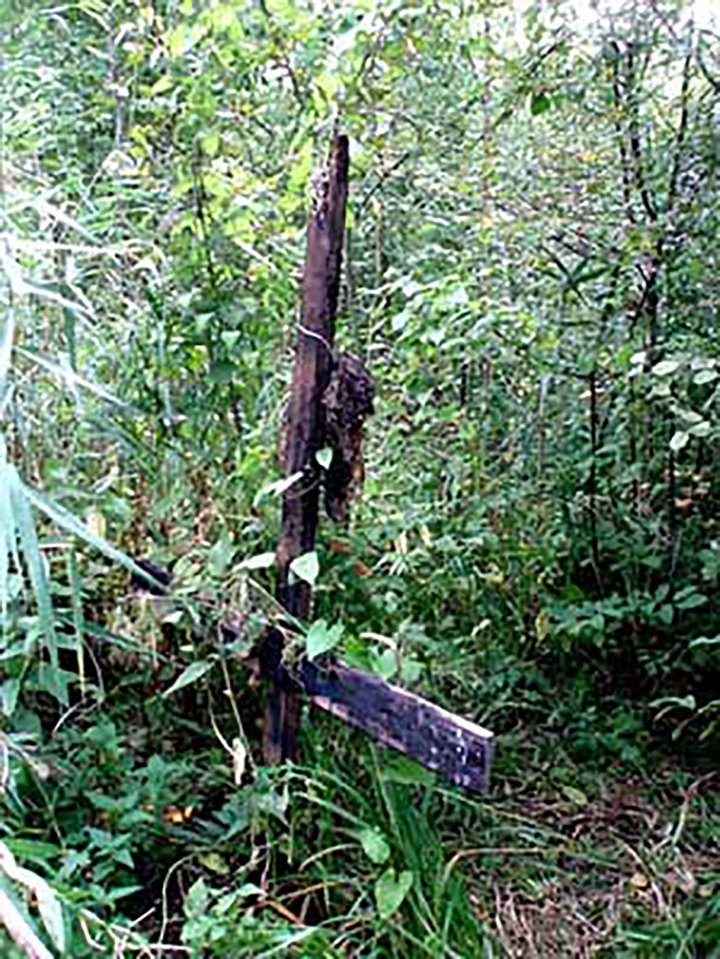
{"x": 458, "y": 749}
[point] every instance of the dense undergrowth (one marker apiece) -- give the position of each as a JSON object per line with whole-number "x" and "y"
{"x": 531, "y": 273}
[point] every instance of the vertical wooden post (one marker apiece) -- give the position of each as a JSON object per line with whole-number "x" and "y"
{"x": 304, "y": 433}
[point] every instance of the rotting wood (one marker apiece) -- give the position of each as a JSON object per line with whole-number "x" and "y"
{"x": 304, "y": 434}
{"x": 323, "y": 411}
{"x": 348, "y": 400}
{"x": 460, "y": 751}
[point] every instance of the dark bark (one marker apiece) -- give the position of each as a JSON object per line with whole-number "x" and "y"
{"x": 459, "y": 750}
{"x": 304, "y": 431}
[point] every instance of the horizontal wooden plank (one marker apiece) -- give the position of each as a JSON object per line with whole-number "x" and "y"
{"x": 459, "y": 750}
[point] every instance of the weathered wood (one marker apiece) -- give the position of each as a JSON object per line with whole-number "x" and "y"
{"x": 304, "y": 432}
{"x": 459, "y": 750}
{"x": 456, "y": 748}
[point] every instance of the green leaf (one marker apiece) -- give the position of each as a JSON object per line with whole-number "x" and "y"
{"x": 162, "y": 85}
{"x": 706, "y": 641}
{"x": 230, "y": 339}
{"x": 222, "y": 372}
{"x": 7, "y": 334}
{"x": 407, "y": 772}
{"x": 410, "y": 670}
{"x": 390, "y": 891}
{"x": 260, "y": 561}
{"x": 374, "y": 845}
{"x": 665, "y": 367}
{"x": 9, "y": 692}
{"x": 178, "y": 40}
{"x": 691, "y": 601}
{"x": 215, "y": 863}
{"x": 324, "y": 457}
{"x": 666, "y": 613}
{"x": 197, "y": 900}
{"x": 700, "y": 429}
{"x": 301, "y": 168}
{"x": 321, "y": 638}
{"x": 682, "y": 702}
{"x": 8, "y": 529}
{"x": 190, "y": 674}
{"x": 400, "y": 321}
{"x": 27, "y": 534}
{"x": 679, "y": 440}
{"x": 575, "y": 795}
{"x": 384, "y": 663}
{"x": 211, "y": 143}
{"x": 705, "y": 376}
{"x": 220, "y": 555}
{"x": 539, "y": 103}
{"x": 306, "y": 567}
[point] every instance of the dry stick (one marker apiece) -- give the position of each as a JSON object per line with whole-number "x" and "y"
{"x": 20, "y": 931}
{"x": 305, "y": 435}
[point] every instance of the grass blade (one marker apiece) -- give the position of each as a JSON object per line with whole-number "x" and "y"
{"x": 71, "y": 524}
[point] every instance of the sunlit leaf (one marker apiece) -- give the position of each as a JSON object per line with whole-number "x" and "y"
{"x": 306, "y": 567}
{"x": 390, "y": 891}
{"x": 260, "y": 561}
{"x": 321, "y": 638}
{"x": 679, "y": 440}
{"x": 324, "y": 457}
{"x": 374, "y": 845}
{"x": 665, "y": 367}
{"x": 190, "y": 675}
{"x": 7, "y": 332}
{"x": 705, "y": 376}
{"x": 700, "y": 429}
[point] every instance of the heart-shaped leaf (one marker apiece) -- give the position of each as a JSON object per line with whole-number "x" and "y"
{"x": 306, "y": 567}
{"x": 321, "y": 638}
{"x": 374, "y": 845}
{"x": 390, "y": 890}
{"x": 324, "y": 457}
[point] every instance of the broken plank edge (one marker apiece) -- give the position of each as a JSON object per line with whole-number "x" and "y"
{"x": 458, "y": 749}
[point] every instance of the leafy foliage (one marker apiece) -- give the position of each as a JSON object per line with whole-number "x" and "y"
{"x": 531, "y": 274}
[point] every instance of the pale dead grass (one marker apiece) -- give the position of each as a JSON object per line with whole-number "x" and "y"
{"x": 622, "y": 860}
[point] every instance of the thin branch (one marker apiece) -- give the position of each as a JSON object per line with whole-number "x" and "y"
{"x": 680, "y": 136}
{"x": 634, "y": 134}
